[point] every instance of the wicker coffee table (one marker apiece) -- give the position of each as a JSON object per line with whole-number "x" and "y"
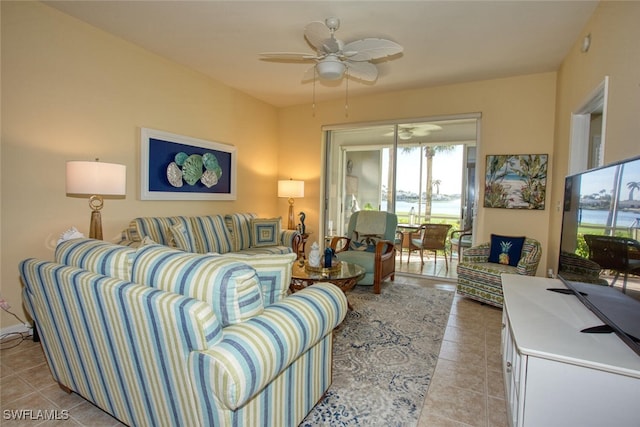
{"x": 345, "y": 277}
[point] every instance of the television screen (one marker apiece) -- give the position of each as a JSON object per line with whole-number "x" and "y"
{"x": 600, "y": 241}
{"x": 601, "y": 202}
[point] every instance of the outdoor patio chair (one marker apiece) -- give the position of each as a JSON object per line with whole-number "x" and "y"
{"x": 432, "y": 238}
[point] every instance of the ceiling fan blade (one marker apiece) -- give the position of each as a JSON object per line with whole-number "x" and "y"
{"x": 365, "y": 71}
{"x": 288, "y": 56}
{"x": 309, "y": 74}
{"x": 317, "y": 34}
{"x": 371, "y": 48}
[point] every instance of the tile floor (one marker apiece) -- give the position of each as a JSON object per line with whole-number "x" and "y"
{"x": 466, "y": 389}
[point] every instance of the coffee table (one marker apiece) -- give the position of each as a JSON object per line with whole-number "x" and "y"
{"x": 345, "y": 278}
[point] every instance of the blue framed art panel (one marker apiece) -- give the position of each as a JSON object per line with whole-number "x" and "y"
{"x": 176, "y": 167}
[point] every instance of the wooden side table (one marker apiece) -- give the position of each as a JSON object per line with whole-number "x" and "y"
{"x": 302, "y": 242}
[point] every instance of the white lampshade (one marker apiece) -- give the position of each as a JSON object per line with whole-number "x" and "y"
{"x": 290, "y": 188}
{"x": 96, "y": 178}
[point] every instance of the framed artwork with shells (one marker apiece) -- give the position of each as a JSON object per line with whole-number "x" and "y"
{"x": 176, "y": 167}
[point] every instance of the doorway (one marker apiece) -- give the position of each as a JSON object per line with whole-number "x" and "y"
{"x": 422, "y": 170}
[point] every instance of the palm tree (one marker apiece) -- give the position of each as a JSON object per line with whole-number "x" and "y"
{"x": 430, "y": 152}
{"x": 632, "y": 186}
{"x": 437, "y": 183}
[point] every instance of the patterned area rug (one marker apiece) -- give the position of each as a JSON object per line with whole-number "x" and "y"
{"x": 384, "y": 356}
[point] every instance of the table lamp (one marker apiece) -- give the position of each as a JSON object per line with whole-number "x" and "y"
{"x": 96, "y": 180}
{"x": 290, "y": 188}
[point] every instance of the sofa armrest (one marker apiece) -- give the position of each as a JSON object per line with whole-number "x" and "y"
{"x": 476, "y": 254}
{"x": 531, "y": 254}
{"x": 287, "y": 237}
{"x": 252, "y": 353}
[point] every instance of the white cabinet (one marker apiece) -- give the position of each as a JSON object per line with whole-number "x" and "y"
{"x": 554, "y": 374}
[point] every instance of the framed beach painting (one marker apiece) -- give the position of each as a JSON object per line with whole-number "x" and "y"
{"x": 516, "y": 181}
{"x": 176, "y": 167}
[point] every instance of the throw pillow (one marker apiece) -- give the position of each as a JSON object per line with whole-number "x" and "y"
{"x": 273, "y": 270}
{"x": 265, "y": 232}
{"x": 210, "y": 234}
{"x": 231, "y": 287}
{"x": 506, "y": 249}
{"x": 182, "y": 237}
{"x": 364, "y": 242}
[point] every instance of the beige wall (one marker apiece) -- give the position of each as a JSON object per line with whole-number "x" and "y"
{"x": 72, "y": 92}
{"x": 517, "y": 118}
{"x": 614, "y": 52}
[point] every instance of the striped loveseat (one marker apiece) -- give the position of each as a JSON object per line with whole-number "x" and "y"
{"x": 160, "y": 337}
{"x": 481, "y": 280}
{"x": 237, "y": 232}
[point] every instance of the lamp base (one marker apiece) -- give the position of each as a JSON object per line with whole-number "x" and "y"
{"x": 291, "y": 224}
{"x": 95, "y": 226}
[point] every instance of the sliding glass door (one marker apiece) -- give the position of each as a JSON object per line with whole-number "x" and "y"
{"x": 423, "y": 171}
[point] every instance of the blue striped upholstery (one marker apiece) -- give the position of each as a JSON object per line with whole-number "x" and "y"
{"x": 240, "y": 226}
{"x": 480, "y": 279}
{"x": 97, "y": 256}
{"x": 157, "y": 228}
{"x": 120, "y": 345}
{"x": 259, "y": 357}
{"x": 211, "y": 234}
{"x": 232, "y": 288}
{"x": 204, "y": 234}
{"x": 274, "y": 273}
{"x": 151, "y": 357}
{"x": 183, "y": 237}
{"x": 287, "y": 236}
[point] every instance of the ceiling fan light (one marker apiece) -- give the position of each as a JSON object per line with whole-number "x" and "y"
{"x": 330, "y": 68}
{"x": 405, "y": 134}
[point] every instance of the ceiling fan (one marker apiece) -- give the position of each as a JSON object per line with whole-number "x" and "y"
{"x": 405, "y": 133}
{"x": 333, "y": 57}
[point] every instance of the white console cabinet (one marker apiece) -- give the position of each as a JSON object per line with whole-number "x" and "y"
{"x": 556, "y": 375}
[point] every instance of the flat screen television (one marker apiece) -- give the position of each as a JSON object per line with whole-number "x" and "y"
{"x": 604, "y": 201}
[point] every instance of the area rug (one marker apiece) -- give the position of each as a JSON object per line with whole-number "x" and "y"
{"x": 384, "y": 355}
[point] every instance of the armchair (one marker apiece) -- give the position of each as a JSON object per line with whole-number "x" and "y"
{"x": 480, "y": 279}
{"x": 433, "y": 237}
{"x": 370, "y": 243}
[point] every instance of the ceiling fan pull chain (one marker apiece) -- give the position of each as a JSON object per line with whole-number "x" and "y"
{"x": 313, "y": 103}
{"x": 346, "y": 97}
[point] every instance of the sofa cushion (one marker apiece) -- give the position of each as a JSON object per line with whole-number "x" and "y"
{"x": 240, "y": 226}
{"x": 96, "y": 256}
{"x": 157, "y": 228}
{"x": 274, "y": 273}
{"x": 232, "y": 288}
{"x": 366, "y": 242}
{"x": 211, "y": 234}
{"x": 183, "y": 237}
{"x": 265, "y": 232}
{"x": 506, "y": 249}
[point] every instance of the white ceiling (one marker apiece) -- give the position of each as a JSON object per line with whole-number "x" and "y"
{"x": 444, "y": 41}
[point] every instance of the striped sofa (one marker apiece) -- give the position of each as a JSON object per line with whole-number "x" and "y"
{"x": 212, "y": 233}
{"x": 480, "y": 279}
{"x": 160, "y": 337}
